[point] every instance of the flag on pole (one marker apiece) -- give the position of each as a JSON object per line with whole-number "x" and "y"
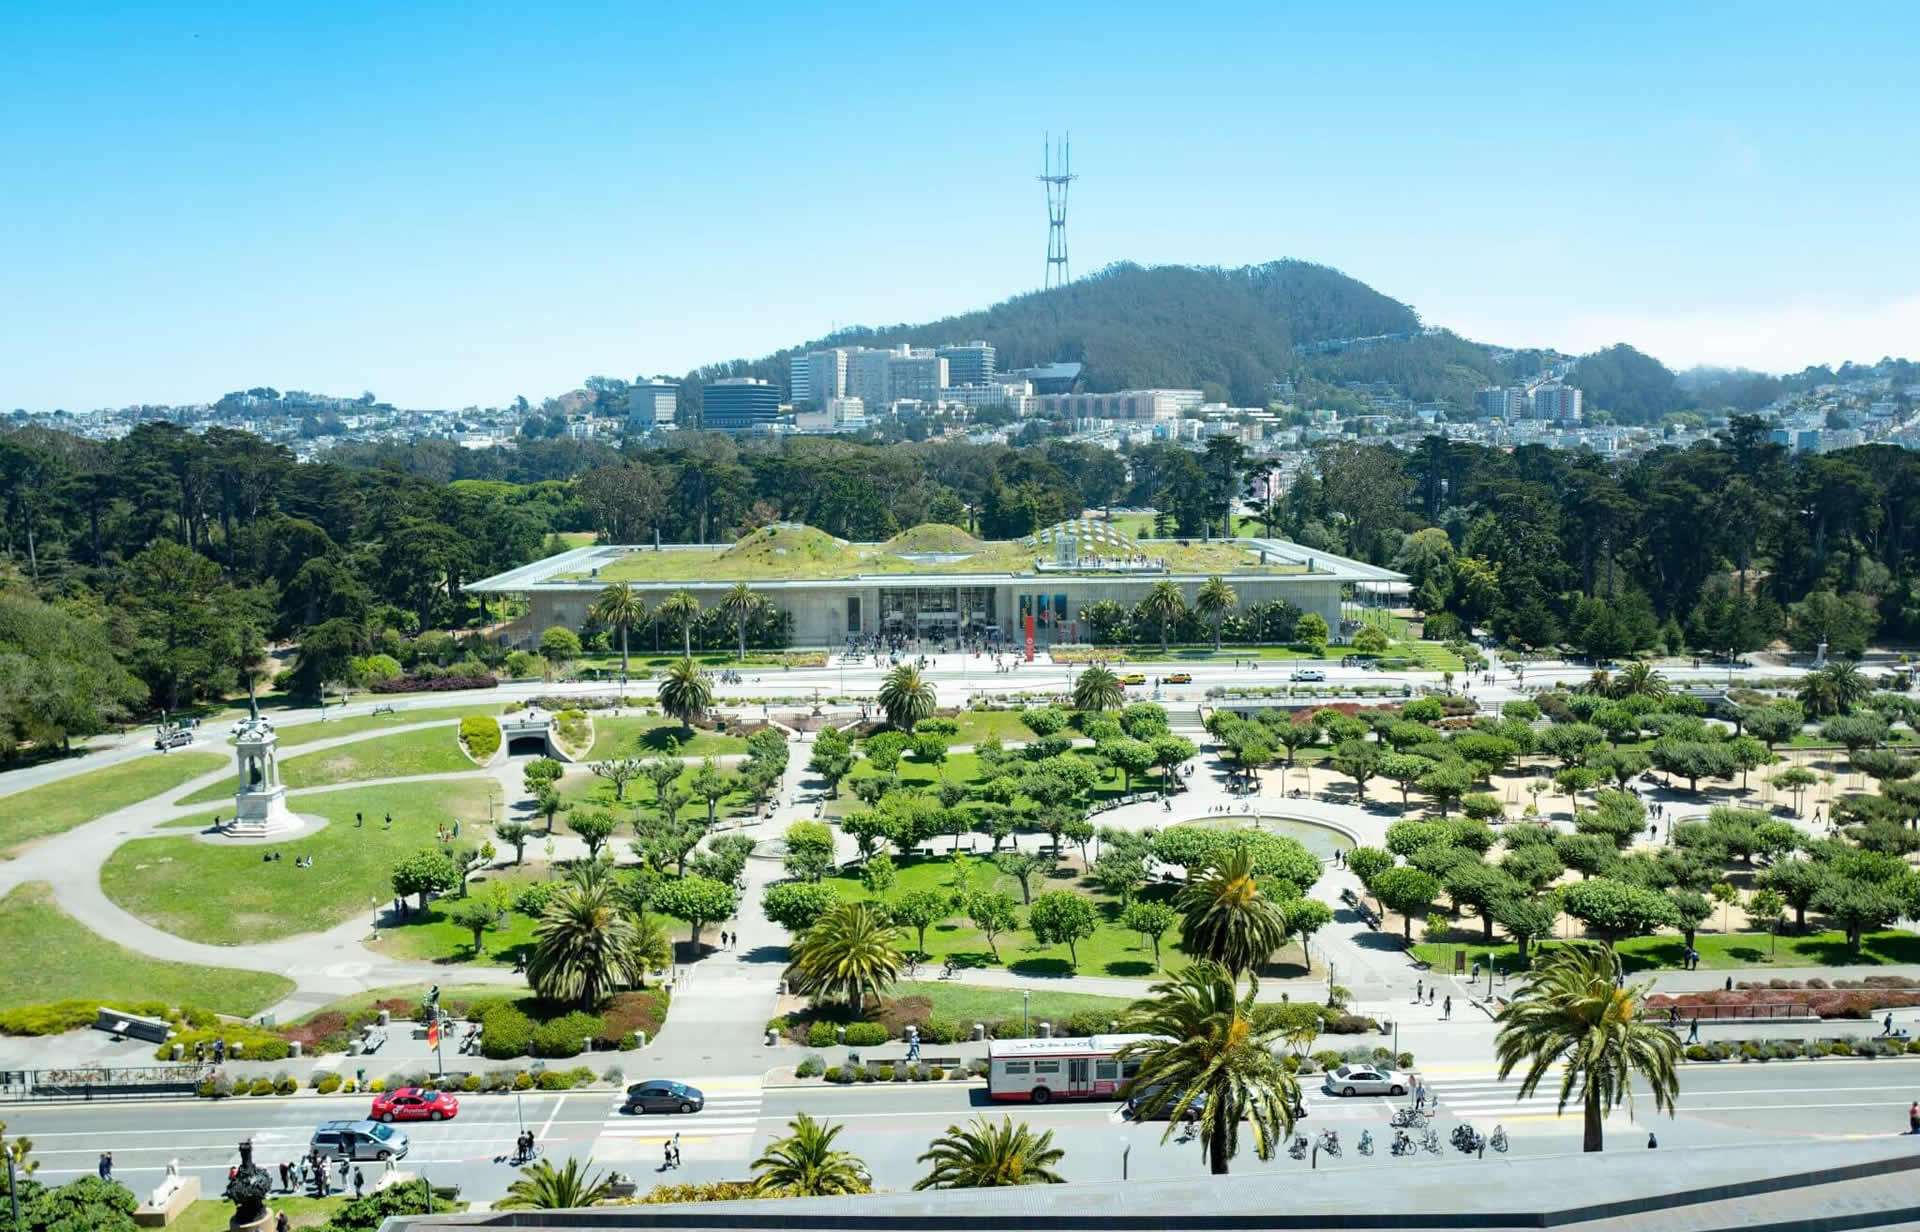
{"x": 433, "y": 1033}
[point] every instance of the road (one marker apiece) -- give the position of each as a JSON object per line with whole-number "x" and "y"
{"x": 1777, "y": 1103}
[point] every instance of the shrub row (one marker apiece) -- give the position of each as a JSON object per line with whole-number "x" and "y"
{"x": 896, "y": 1073}
{"x": 55, "y": 1017}
{"x": 823, "y": 1033}
{"x": 481, "y": 734}
{"x": 244, "y": 1043}
{"x": 434, "y": 684}
{"x": 1788, "y": 1050}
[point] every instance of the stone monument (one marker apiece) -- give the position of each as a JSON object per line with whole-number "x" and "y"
{"x": 260, "y": 801}
{"x": 248, "y": 1192}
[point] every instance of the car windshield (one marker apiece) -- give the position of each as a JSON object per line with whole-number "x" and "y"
{"x": 382, "y": 1132}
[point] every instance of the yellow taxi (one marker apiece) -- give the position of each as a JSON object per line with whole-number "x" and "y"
{"x": 1133, "y": 678}
{"x": 1178, "y": 678}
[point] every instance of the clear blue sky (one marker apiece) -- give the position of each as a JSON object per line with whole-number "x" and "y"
{"x": 454, "y": 204}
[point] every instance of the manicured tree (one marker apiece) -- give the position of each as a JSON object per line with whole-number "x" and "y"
{"x": 1746, "y": 754}
{"x": 1476, "y": 885}
{"x": 920, "y": 910}
{"x": 550, "y": 804}
{"x": 1293, "y": 735}
{"x": 1589, "y": 854}
{"x": 1616, "y": 909}
{"x": 1765, "y": 907}
{"x": 805, "y": 1164}
{"x": 1311, "y": 631}
{"x": 1163, "y": 605}
{"x": 1858, "y": 907}
{"x": 1368, "y": 863}
{"x": 1097, "y": 689}
{"x": 1061, "y": 917}
{"x": 593, "y": 827}
{"x": 617, "y": 607}
{"x": 428, "y": 871}
{"x": 1305, "y": 917}
{"x": 1482, "y": 806}
{"x": 905, "y": 697}
{"x": 1724, "y": 894}
{"x": 993, "y": 914}
{"x": 699, "y": 901}
{"x": 930, "y": 748}
{"x": 476, "y": 915}
{"x": 1130, "y": 757}
{"x": 1144, "y": 720}
{"x": 684, "y": 692}
{"x": 682, "y": 609}
{"x": 1404, "y": 769}
{"x": 620, "y": 771}
{"x": 1689, "y": 907}
{"x": 1408, "y": 892}
{"x": 798, "y": 905}
{"x": 809, "y": 847}
{"x": 1772, "y": 724}
{"x": 1169, "y": 752}
{"x": 541, "y": 773}
{"x": 559, "y": 647}
{"x": 1203, "y": 1057}
{"x": 832, "y": 758}
{"x": 1359, "y": 760}
{"x": 1151, "y": 920}
{"x": 1573, "y": 1012}
{"x": 1620, "y": 765}
{"x": 1446, "y": 783}
{"x": 514, "y": 834}
{"x": 1023, "y": 867}
{"x": 1526, "y": 919}
{"x": 1213, "y": 602}
{"x": 1795, "y": 779}
{"x": 989, "y": 1156}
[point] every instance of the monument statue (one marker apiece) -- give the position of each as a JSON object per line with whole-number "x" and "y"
{"x": 248, "y": 1191}
{"x": 260, "y": 800}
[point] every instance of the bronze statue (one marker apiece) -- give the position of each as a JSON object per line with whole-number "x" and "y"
{"x": 248, "y": 1189}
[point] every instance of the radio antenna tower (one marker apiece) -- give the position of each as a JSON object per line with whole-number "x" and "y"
{"x": 1059, "y": 274}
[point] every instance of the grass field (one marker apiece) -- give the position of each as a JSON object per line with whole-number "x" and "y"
{"x": 586, "y": 791}
{"x": 46, "y": 955}
{"x": 1721, "y": 951}
{"x": 431, "y": 750}
{"x": 1150, "y": 653}
{"x": 1112, "y": 950}
{"x": 54, "y": 808}
{"x": 959, "y": 1003}
{"x": 643, "y": 735}
{"x": 333, "y": 729}
{"x": 977, "y": 725}
{"x": 434, "y": 937}
{"x": 229, "y": 896}
{"x": 212, "y": 1214}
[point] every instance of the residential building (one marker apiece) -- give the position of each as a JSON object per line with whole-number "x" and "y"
{"x": 867, "y": 375}
{"x": 971, "y": 364}
{"x": 738, "y": 404}
{"x": 915, "y": 374}
{"x": 1556, "y": 402}
{"x": 652, "y": 404}
{"x": 1124, "y": 404}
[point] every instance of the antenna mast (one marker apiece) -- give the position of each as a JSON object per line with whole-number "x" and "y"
{"x": 1059, "y": 273}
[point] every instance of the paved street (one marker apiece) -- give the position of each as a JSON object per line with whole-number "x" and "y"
{"x": 1777, "y": 1103}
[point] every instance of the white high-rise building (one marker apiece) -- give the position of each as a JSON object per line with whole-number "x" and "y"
{"x": 818, "y": 376}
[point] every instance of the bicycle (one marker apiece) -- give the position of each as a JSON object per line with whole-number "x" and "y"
{"x": 1499, "y": 1139}
{"x": 1409, "y": 1118}
{"x": 1329, "y": 1142}
{"x": 1466, "y": 1139}
{"x": 1402, "y": 1144}
{"x": 1431, "y": 1141}
{"x": 1366, "y": 1142}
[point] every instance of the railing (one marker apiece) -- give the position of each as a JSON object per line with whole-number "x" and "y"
{"x": 1729, "y": 1013}
{"x": 89, "y": 1083}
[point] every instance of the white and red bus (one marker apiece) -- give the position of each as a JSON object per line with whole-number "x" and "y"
{"x": 1042, "y": 1070}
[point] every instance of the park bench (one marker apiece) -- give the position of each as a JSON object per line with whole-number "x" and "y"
{"x": 384, "y": 708}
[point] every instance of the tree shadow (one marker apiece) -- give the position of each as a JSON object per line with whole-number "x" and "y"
{"x": 762, "y": 954}
{"x": 1128, "y": 967}
{"x": 1051, "y": 968}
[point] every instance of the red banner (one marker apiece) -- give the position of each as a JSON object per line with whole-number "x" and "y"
{"x": 1029, "y": 637}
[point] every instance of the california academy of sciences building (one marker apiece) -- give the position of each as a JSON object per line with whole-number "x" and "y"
{"x": 937, "y": 582}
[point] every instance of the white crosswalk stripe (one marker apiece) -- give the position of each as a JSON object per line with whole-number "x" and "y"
{"x": 732, "y": 1110}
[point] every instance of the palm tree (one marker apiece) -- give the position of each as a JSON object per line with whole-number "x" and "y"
{"x": 1214, "y": 601}
{"x": 685, "y": 693}
{"x": 1163, "y": 605}
{"x": 682, "y": 609}
{"x": 851, "y": 951}
{"x": 586, "y": 945}
{"x": 989, "y": 1156}
{"x": 1208, "y": 1061}
{"x": 804, "y": 1164}
{"x": 1098, "y": 689}
{"x": 739, "y": 605}
{"x": 617, "y": 607}
{"x": 543, "y": 1187}
{"x": 906, "y": 697}
{"x": 1573, "y": 1010}
{"x": 1638, "y": 679}
{"x": 1835, "y": 689}
{"x": 1228, "y": 919}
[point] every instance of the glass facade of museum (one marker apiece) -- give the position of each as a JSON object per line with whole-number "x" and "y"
{"x": 938, "y": 611}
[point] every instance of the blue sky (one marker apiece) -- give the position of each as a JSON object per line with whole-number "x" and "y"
{"x": 455, "y": 204}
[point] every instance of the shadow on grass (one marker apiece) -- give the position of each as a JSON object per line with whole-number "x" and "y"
{"x": 1052, "y": 968}
{"x": 1128, "y": 967}
{"x": 657, "y": 739}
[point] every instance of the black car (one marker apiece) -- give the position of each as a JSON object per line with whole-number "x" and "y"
{"x": 1136, "y": 1106}
{"x": 661, "y": 1095}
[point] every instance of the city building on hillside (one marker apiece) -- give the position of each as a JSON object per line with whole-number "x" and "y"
{"x": 838, "y": 415}
{"x": 651, "y": 404}
{"x": 819, "y": 375}
{"x": 971, "y": 364}
{"x": 916, "y": 374}
{"x": 1557, "y": 402}
{"x": 1124, "y": 404}
{"x": 1048, "y": 378}
{"x": 738, "y": 404}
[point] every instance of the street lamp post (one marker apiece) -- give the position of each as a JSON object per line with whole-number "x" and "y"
{"x": 1026, "y": 998}
{"x": 1125, "y": 1151}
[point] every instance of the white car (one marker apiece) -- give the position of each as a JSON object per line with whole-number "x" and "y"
{"x": 1366, "y": 1080}
{"x": 1308, "y": 674}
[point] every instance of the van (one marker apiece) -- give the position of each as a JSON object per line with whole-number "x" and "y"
{"x": 359, "y": 1140}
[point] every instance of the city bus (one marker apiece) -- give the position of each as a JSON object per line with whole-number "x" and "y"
{"x": 1041, "y": 1070}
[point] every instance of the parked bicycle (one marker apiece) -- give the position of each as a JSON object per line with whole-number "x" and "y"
{"x": 1499, "y": 1139}
{"x": 1366, "y": 1142}
{"x": 1430, "y": 1141}
{"x": 1409, "y": 1118}
{"x": 1402, "y": 1144}
{"x": 1467, "y": 1140}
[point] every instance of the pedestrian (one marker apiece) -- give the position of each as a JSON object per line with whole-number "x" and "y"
{"x": 389, "y": 821}
{"x": 1419, "y": 990}
{"x": 220, "y": 1050}
{"x": 1430, "y": 996}
{"x": 1913, "y": 1117}
{"x": 1446, "y": 1010}
{"x": 676, "y": 1149}
{"x": 359, "y": 1183}
{"x": 1652, "y": 1142}
{"x": 456, "y": 827}
{"x": 1729, "y": 983}
{"x": 1693, "y": 1030}
{"x": 666, "y": 1155}
{"x": 1887, "y": 1026}
{"x": 106, "y": 1165}
{"x": 286, "y": 1176}
{"x": 359, "y": 820}
{"x": 913, "y": 1047}
{"x": 280, "y": 1223}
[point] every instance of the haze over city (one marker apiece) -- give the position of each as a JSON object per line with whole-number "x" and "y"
{"x": 451, "y": 205}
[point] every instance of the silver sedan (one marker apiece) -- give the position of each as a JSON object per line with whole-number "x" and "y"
{"x": 1366, "y": 1080}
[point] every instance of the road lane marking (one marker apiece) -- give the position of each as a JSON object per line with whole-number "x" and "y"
{"x": 552, "y": 1115}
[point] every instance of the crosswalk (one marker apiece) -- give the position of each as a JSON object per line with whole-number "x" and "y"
{"x": 1480, "y": 1097}
{"x": 724, "y": 1127}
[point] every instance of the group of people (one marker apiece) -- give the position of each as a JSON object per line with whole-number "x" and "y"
{"x": 728, "y": 940}
{"x": 273, "y": 857}
{"x": 219, "y": 1050}
{"x": 523, "y": 1147}
{"x": 670, "y": 1152}
{"x": 310, "y": 1172}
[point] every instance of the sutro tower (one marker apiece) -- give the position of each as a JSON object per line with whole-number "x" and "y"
{"x": 1058, "y": 272}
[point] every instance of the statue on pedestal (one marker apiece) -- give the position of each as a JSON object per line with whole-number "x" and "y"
{"x": 248, "y": 1190}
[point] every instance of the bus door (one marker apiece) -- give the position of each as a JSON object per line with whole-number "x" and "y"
{"x": 1079, "y": 1080}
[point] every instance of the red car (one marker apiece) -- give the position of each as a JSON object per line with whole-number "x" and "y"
{"x": 414, "y": 1104}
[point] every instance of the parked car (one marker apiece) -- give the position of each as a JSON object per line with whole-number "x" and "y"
{"x": 662, "y": 1095}
{"x": 1179, "y": 678}
{"x": 1366, "y": 1080}
{"x": 1134, "y": 678}
{"x": 359, "y": 1140}
{"x": 1142, "y": 1099}
{"x": 414, "y": 1104}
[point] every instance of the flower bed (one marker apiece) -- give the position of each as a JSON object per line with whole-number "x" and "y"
{"x": 434, "y": 684}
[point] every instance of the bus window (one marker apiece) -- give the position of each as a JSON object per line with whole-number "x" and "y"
{"x": 1046, "y": 1067}
{"x": 1129, "y": 1069}
{"x": 1106, "y": 1071}
{"x": 1017, "y": 1067}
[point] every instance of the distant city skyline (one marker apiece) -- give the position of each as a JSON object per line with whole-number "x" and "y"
{"x": 454, "y": 206}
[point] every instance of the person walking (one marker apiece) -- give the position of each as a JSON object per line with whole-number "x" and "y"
{"x": 286, "y": 1176}
{"x": 1419, "y": 990}
{"x": 1693, "y": 1030}
{"x": 106, "y": 1165}
{"x": 676, "y": 1148}
{"x": 666, "y": 1155}
{"x": 280, "y": 1223}
{"x": 359, "y": 1183}
{"x": 1446, "y": 1010}
{"x": 1430, "y": 993}
{"x": 1913, "y": 1117}
{"x": 1652, "y": 1142}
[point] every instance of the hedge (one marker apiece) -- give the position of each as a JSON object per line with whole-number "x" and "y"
{"x": 56, "y": 1017}
{"x": 434, "y": 684}
{"x": 481, "y": 734}
{"x": 254, "y": 1043}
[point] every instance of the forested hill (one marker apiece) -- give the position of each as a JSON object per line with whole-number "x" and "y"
{"x": 1228, "y": 331}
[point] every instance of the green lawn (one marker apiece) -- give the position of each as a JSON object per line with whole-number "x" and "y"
{"x": 54, "y": 808}
{"x": 587, "y": 791}
{"x": 1111, "y": 950}
{"x": 643, "y": 735}
{"x": 333, "y": 729}
{"x": 1150, "y": 653}
{"x": 414, "y": 993}
{"x": 977, "y": 725}
{"x": 956, "y": 1002}
{"x": 431, "y": 750}
{"x": 46, "y": 955}
{"x": 1721, "y": 951}
{"x": 228, "y": 896}
{"x": 434, "y": 937}
{"x": 212, "y": 1214}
